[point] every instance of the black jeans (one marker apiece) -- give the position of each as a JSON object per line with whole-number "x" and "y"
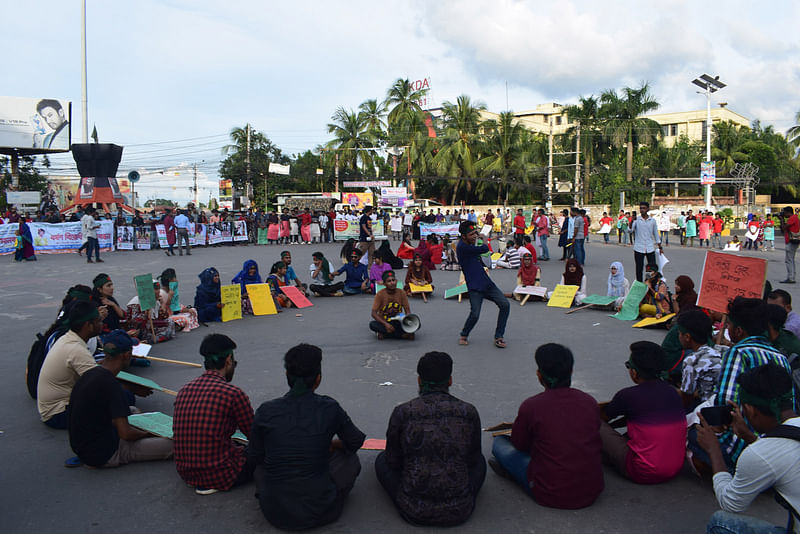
{"x": 375, "y": 326}
{"x": 326, "y": 290}
{"x": 639, "y": 259}
{"x": 390, "y": 480}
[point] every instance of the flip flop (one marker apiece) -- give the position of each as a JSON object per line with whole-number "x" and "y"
{"x": 499, "y": 343}
{"x": 73, "y": 462}
{"x": 463, "y": 341}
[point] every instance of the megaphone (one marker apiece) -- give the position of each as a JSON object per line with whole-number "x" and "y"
{"x": 133, "y": 176}
{"x": 410, "y": 323}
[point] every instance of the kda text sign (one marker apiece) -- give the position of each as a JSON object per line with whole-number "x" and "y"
{"x": 727, "y": 276}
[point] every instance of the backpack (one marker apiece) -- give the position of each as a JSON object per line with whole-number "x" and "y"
{"x": 786, "y": 432}
{"x": 35, "y": 360}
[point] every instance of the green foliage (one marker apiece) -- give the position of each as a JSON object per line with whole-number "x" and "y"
{"x": 159, "y": 202}
{"x": 30, "y": 179}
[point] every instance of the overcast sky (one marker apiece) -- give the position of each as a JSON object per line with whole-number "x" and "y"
{"x": 168, "y": 80}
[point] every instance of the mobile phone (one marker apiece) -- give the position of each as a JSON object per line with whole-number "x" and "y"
{"x": 718, "y": 415}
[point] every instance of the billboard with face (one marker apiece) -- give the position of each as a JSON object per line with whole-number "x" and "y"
{"x": 35, "y": 123}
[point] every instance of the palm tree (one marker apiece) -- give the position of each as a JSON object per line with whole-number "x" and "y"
{"x": 726, "y": 146}
{"x": 403, "y": 99}
{"x": 373, "y": 115}
{"x": 793, "y": 134}
{"x": 587, "y": 115}
{"x": 504, "y": 152}
{"x": 622, "y": 124}
{"x": 462, "y": 122}
{"x": 348, "y": 128}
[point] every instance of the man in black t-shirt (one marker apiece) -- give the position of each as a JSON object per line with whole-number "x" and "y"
{"x": 366, "y": 239}
{"x": 99, "y": 432}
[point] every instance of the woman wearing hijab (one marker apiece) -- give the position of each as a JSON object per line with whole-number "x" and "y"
{"x": 424, "y": 250}
{"x": 618, "y": 285}
{"x": 419, "y": 275}
{"x": 685, "y": 298}
{"x": 184, "y": 317}
{"x": 28, "y": 253}
{"x": 248, "y": 275}
{"x": 207, "y": 298}
{"x": 573, "y": 276}
{"x": 529, "y": 273}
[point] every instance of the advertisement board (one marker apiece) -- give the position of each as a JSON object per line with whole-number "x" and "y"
{"x": 343, "y": 230}
{"x": 226, "y": 194}
{"x": 708, "y": 173}
{"x": 36, "y": 124}
{"x": 24, "y": 197}
{"x": 357, "y": 201}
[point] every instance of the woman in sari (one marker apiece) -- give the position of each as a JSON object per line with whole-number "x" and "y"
{"x": 248, "y": 275}
{"x": 184, "y": 317}
{"x": 419, "y": 275}
{"x": 273, "y": 228}
{"x": 207, "y": 298}
{"x": 657, "y": 302}
{"x": 141, "y": 320}
{"x": 704, "y": 230}
{"x": 276, "y": 280}
{"x": 563, "y": 240}
{"x": 28, "y": 253}
{"x": 529, "y": 273}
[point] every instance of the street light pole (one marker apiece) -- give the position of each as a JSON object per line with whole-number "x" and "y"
{"x": 84, "y": 95}
{"x": 708, "y": 85}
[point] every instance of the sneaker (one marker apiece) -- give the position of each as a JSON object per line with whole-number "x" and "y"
{"x": 73, "y": 462}
{"x": 338, "y": 294}
{"x": 787, "y": 281}
{"x": 89, "y": 261}
{"x": 205, "y": 491}
{"x": 98, "y": 260}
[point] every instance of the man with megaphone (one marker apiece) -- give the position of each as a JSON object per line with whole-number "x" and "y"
{"x": 391, "y": 312}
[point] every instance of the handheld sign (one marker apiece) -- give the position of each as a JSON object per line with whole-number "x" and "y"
{"x": 453, "y": 291}
{"x": 297, "y": 298}
{"x": 427, "y": 288}
{"x": 600, "y": 300}
{"x": 486, "y": 230}
{"x": 535, "y": 291}
{"x": 231, "y": 297}
{"x": 726, "y": 276}
{"x": 378, "y": 287}
{"x": 605, "y": 229}
{"x": 630, "y": 306}
{"x": 373, "y": 444}
{"x": 261, "y": 299}
{"x": 144, "y": 382}
{"x": 145, "y": 291}
{"x": 562, "y": 296}
{"x": 160, "y": 424}
{"x": 161, "y": 232}
{"x": 652, "y": 321}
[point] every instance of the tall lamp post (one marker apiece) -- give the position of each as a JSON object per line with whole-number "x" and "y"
{"x": 708, "y": 85}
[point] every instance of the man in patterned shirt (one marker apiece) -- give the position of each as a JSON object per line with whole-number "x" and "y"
{"x": 433, "y": 467}
{"x": 208, "y": 410}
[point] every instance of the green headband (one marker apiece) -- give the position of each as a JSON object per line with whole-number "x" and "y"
{"x": 298, "y": 385}
{"x": 100, "y": 281}
{"x": 77, "y": 294}
{"x": 84, "y": 318}
{"x": 773, "y": 404}
{"x": 219, "y": 356}
{"x": 551, "y": 381}
{"x": 429, "y": 385}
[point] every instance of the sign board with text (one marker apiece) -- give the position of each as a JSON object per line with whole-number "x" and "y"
{"x": 727, "y": 276}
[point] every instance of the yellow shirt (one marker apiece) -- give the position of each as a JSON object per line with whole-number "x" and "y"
{"x": 67, "y": 360}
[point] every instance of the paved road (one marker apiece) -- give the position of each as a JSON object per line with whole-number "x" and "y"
{"x": 38, "y": 495}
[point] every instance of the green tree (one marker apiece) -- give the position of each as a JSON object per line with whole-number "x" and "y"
{"x": 30, "y": 177}
{"x": 726, "y": 146}
{"x": 793, "y": 134}
{"x": 622, "y": 124}
{"x": 262, "y": 151}
{"x": 507, "y": 151}
{"x": 403, "y": 100}
{"x": 587, "y": 115}
{"x": 351, "y": 138}
{"x": 457, "y": 156}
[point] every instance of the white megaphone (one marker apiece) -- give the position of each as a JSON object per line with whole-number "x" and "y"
{"x": 410, "y": 323}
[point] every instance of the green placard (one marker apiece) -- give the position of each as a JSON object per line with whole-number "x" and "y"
{"x": 600, "y": 300}
{"x": 156, "y": 423}
{"x": 453, "y": 291}
{"x": 630, "y": 306}
{"x": 262, "y": 236}
{"x": 145, "y": 291}
{"x": 378, "y": 287}
{"x": 133, "y": 379}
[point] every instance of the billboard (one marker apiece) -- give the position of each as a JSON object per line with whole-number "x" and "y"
{"x": 39, "y": 124}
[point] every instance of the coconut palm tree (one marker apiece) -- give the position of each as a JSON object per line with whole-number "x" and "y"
{"x": 457, "y": 157}
{"x": 587, "y": 115}
{"x": 621, "y": 121}
{"x": 793, "y": 134}
{"x": 349, "y": 130}
{"x": 726, "y": 146}
{"x": 373, "y": 114}
{"x": 403, "y": 99}
{"x": 505, "y": 154}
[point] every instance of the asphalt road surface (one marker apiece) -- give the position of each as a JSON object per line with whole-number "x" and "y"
{"x": 37, "y": 494}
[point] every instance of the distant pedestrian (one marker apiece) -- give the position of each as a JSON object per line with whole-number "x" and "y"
{"x": 645, "y": 233}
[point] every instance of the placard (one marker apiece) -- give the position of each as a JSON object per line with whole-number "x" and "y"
{"x": 605, "y": 229}
{"x": 231, "y": 297}
{"x": 141, "y": 381}
{"x": 536, "y": 291}
{"x": 239, "y": 230}
{"x": 486, "y": 230}
{"x": 262, "y": 236}
{"x": 143, "y": 238}
{"x": 214, "y": 234}
{"x": 652, "y": 321}
{"x": 427, "y": 288}
{"x": 599, "y": 300}
{"x": 199, "y": 237}
{"x": 727, "y": 276}
{"x": 145, "y": 291}
{"x": 630, "y": 306}
{"x": 261, "y": 299}
{"x": 455, "y": 291}
{"x": 378, "y": 287}
{"x": 296, "y": 296}
{"x": 160, "y": 424}
{"x": 161, "y": 232}
{"x": 125, "y": 236}
{"x": 562, "y": 296}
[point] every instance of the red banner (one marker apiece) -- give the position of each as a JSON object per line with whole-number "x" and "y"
{"x": 727, "y": 276}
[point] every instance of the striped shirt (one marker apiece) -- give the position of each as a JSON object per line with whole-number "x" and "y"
{"x": 750, "y": 352}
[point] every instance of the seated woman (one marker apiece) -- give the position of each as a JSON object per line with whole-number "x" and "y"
{"x": 141, "y": 320}
{"x": 184, "y": 317}
{"x": 424, "y": 250}
{"x": 385, "y": 252}
{"x": 321, "y": 278}
{"x": 207, "y": 298}
{"x": 406, "y": 250}
{"x": 685, "y": 298}
{"x": 347, "y": 248}
{"x": 276, "y": 280}
{"x": 529, "y": 274}
{"x": 376, "y": 271}
{"x": 419, "y": 275}
{"x": 436, "y": 250}
{"x": 573, "y": 276}
{"x": 657, "y": 302}
{"x": 618, "y": 285}
{"x": 248, "y": 275}
{"x": 103, "y": 295}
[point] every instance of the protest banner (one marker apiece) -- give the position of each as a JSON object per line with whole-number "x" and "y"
{"x": 239, "y": 230}
{"x": 145, "y": 291}
{"x": 344, "y": 229}
{"x": 227, "y": 232}
{"x": 562, "y": 296}
{"x": 534, "y": 291}
{"x": 439, "y": 229}
{"x": 727, "y": 276}
{"x": 144, "y": 382}
{"x": 630, "y": 306}
{"x": 125, "y": 235}
{"x": 261, "y": 299}
{"x": 161, "y": 232}
{"x": 652, "y": 321}
{"x": 600, "y": 300}
{"x": 143, "y": 238}
{"x": 214, "y": 234}
{"x": 56, "y": 238}
{"x": 231, "y": 297}
{"x": 453, "y": 291}
{"x": 605, "y": 229}
{"x": 297, "y": 298}
{"x": 199, "y": 236}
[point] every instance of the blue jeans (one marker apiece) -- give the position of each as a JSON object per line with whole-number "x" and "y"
{"x": 476, "y": 300}
{"x": 728, "y": 523}
{"x": 580, "y": 252}
{"x": 92, "y": 245}
{"x": 543, "y": 243}
{"x": 513, "y": 460}
{"x": 347, "y": 290}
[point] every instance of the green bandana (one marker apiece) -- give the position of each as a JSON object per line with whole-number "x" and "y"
{"x": 218, "y": 357}
{"x": 427, "y": 386}
{"x": 100, "y": 281}
{"x": 77, "y": 294}
{"x": 773, "y": 404}
{"x": 84, "y": 318}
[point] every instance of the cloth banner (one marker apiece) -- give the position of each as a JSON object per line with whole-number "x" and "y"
{"x": 726, "y": 276}
{"x": 239, "y": 231}
{"x": 344, "y": 230}
{"x": 215, "y": 234}
{"x": 55, "y": 238}
{"x": 125, "y": 236}
{"x": 439, "y": 229}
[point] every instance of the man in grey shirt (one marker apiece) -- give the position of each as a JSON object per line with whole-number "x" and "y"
{"x": 645, "y": 233}
{"x": 578, "y": 235}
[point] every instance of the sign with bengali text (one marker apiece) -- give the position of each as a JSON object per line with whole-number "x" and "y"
{"x": 727, "y": 276}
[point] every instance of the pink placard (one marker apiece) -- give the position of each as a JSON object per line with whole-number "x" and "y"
{"x": 296, "y": 296}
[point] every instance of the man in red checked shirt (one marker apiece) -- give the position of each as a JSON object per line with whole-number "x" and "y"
{"x": 790, "y": 225}
{"x": 208, "y": 410}
{"x": 519, "y": 224}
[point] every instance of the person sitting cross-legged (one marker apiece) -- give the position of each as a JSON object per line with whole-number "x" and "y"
{"x": 554, "y": 451}
{"x": 99, "y": 432}
{"x": 208, "y": 410}
{"x": 765, "y": 393}
{"x": 433, "y": 467}
{"x": 357, "y": 277}
{"x": 303, "y": 475}
{"x": 654, "y": 449}
{"x": 388, "y": 303}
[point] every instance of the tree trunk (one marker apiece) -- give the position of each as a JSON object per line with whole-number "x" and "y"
{"x": 455, "y": 191}
{"x": 629, "y": 162}
{"x": 587, "y": 191}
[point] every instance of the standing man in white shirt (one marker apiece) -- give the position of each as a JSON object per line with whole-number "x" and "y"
{"x": 181, "y": 224}
{"x": 89, "y": 229}
{"x": 646, "y": 238}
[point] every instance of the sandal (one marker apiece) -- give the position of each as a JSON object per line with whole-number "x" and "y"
{"x": 463, "y": 341}
{"x": 499, "y": 343}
